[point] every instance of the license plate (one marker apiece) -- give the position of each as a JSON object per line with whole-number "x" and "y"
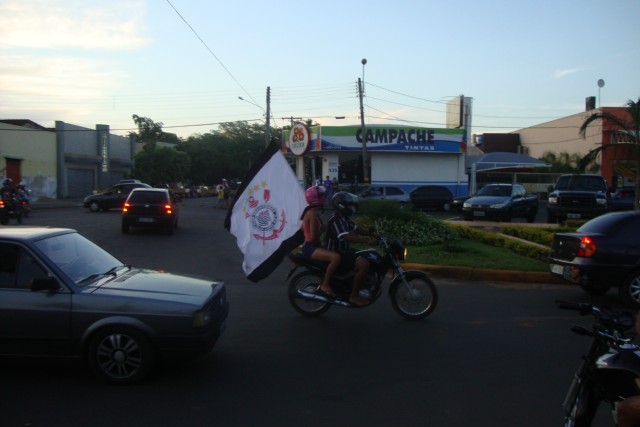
{"x": 574, "y": 216}
{"x": 478, "y": 213}
{"x": 145, "y": 219}
{"x": 557, "y": 269}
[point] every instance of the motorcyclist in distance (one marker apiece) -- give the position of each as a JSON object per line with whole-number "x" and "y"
{"x": 341, "y": 233}
{"x": 7, "y": 187}
{"x": 628, "y": 410}
{"x": 313, "y": 227}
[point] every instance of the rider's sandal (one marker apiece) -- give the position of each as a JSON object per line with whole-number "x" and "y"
{"x": 329, "y": 294}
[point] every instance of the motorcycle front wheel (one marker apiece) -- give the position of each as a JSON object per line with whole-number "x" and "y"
{"x": 417, "y": 298}
{"x": 306, "y": 281}
{"x": 583, "y": 408}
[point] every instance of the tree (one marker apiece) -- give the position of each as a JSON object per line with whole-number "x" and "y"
{"x": 629, "y": 127}
{"x": 151, "y": 132}
{"x": 565, "y": 162}
{"x": 161, "y": 165}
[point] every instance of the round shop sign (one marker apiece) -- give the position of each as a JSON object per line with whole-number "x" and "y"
{"x": 299, "y": 139}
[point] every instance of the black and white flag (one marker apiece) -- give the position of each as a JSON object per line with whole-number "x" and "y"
{"x": 265, "y": 214}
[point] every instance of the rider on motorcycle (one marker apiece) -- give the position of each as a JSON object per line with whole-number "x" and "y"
{"x": 341, "y": 232}
{"x": 313, "y": 227}
{"x": 9, "y": 193}
{"x": 628, "y": 410}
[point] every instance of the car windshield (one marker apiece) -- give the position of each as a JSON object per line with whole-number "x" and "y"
{"x": 495, "y": 190}
{"x": 581, "y": 182}
{"x": 78, "y": 257}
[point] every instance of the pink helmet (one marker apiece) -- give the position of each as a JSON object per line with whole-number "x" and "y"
{"x": 315, "y": 195}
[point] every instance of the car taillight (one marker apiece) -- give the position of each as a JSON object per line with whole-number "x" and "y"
{"x": 168, "y": 209}
{"x": 2, "y": 203}
{"x": 126, "y": 207}
{"x": 587, "y": 247}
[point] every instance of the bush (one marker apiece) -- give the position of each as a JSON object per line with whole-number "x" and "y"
{"x": 411, "y": 227}
{"x": 531, "y": 251}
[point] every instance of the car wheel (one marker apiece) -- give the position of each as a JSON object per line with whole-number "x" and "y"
{"x": 630, "y": 290}
{"x": 120, "y": 355}
{"x": 125, "y": 228}
{"x": 551, "y": 218}
{"x": 94, "y": 207}
{"x": 446, "y": 207}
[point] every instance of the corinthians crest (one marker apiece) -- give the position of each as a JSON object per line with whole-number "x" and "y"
{"x": 267, "y": 221}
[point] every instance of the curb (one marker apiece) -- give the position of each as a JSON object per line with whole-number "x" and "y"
{"x": 487, "y": 274}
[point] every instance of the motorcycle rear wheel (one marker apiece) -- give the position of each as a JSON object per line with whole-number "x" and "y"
{"x": 309, "y": 282}
{"x": 417, "y": 300}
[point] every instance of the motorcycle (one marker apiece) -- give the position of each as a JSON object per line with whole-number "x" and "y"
{"x": 610, "y": 367}
{"x": 10, "y": 207}
{"x": 413, "y": 294}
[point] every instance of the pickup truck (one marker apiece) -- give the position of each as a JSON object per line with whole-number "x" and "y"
{"x": 578, "y": 196}
{"x": 501, "y": 202}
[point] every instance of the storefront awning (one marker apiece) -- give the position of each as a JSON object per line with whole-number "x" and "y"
{"x": 503, "y": 160}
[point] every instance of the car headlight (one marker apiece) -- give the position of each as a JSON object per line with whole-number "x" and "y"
{"x": 553, "y": 200}
{"x": 202, "y": 317}
{"x": 466, "y": 205}
{"x": 601, "y": 201}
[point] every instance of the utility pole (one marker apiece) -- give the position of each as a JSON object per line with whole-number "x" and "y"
{"x": 268, "y": 132}
{"x": 363, "y": 132}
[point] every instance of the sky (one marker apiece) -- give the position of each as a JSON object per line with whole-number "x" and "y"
{"x": 186, "y": 63}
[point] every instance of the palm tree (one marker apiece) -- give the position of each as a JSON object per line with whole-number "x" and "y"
{"x": 628, "y": 126}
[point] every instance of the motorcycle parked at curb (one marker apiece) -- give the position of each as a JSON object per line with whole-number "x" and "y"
{"x": 413, "y": 294}
{"x": 10, "y": 207}
{"x": 610, "y": 367}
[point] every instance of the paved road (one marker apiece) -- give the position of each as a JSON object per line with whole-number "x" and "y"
{"x": 493, "y": 354}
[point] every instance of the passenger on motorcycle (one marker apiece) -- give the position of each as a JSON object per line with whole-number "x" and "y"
{"x": 313, "y": 227}
{"x": 341, "y": 233}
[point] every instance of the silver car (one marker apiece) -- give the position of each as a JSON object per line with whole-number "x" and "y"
{"x": 61, "y": 295}
{"x": 384, "y": 192}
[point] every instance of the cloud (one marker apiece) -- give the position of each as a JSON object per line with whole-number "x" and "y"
{"x": 564, "y": 73}
{"x": 76, "y": 24}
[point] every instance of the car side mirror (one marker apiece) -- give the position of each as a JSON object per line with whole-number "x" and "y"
{"x": 49, "y": 284}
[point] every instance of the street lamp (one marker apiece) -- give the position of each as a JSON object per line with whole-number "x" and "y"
{"x": 363, "y": 131}
{"x": 267, "y": 113}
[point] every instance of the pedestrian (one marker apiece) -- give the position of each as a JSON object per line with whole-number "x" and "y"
{"x": 221, "y": 202}
{"x": 327, "y": 188}
{"x": 227, "y": 193}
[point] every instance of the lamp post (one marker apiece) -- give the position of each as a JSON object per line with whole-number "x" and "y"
{"x": 363, "y": 130}
{"x": 267, "y": 113}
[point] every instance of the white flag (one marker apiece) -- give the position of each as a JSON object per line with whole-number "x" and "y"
{"x": 266, "y": 214}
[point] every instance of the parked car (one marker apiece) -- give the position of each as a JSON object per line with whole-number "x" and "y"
{"x": 63, "y": 296}
{"x": 501, "y": 202}
{"x": 113, "y": 198}
{"x": 603, "y": 253}
{"x": 458, "y": 202}
{"x": 384, "y": 192}
{"x": 577, "y": 196}
{"x": 150, "y": 207}
{"x": 622, "y": 199}
{"x": 436, "y": 197}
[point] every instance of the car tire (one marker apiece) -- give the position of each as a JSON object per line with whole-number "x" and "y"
{"x": 120, "y": 355}
{"x": 125, "y": 228}
{"x": 551, "y": 218}
{"x": 446, "y": 207}
{"x": 94, "y": 206}
{"x": 630, "y": 290}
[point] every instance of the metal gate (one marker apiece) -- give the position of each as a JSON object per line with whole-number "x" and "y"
{"x": 80, "y": 182}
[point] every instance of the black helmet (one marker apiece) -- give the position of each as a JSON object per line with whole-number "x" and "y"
{"x": 345, "y": 203}
{"x": 8, "y": 182}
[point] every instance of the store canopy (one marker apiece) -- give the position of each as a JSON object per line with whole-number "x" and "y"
{"x": 500, "y": 160}
{"x": 503, "y": 160}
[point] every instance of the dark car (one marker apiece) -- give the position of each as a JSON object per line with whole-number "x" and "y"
{"x": 603, "y": 253}
{"x": 390, "y": 193}
{"x": 62, "y": 296}
{"x": 114, "y": 197}
{"x": 150, "y": 207}
{"x": 622, "y": 199}
{"x": 436, "y": 197}
{"x": 501, "y": 202}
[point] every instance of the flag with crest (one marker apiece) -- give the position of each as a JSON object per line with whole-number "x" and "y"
{"x": 265, "y": 214}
